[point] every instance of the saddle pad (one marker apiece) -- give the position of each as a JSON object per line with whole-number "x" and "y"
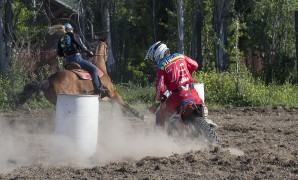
{"x": 84, "y": 74}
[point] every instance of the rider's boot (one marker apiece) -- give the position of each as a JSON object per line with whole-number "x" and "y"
{"x": 209, "y": 121}
{"x": 100, "y": 90}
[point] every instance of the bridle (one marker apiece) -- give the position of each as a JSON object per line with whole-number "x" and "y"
{"x": 103, "y": 54}
{"x": 98, "y": 54}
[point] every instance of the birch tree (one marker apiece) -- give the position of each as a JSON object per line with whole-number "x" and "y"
{"x": 180, "y": 26}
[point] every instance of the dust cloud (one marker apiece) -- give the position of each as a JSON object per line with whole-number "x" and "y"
{"x": 20, "y": 145}
{"x": 120, "y": 138}
{"x": 124, "y": 138}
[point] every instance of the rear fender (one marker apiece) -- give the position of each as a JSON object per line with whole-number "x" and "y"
{"x": 187, "y": 111}
{"x": 186, "y": 107}
{"x": 190, "y": 107}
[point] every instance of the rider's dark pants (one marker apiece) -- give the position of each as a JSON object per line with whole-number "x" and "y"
{"x": 86, "y": 65}
{"x": 173, "y": 102}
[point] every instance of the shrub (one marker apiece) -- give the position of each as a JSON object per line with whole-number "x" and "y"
{"x": 221, "y": 90}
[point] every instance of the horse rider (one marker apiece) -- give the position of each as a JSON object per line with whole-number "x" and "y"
{"x": 173, "y": 73}
{"x": 70, "y": 46}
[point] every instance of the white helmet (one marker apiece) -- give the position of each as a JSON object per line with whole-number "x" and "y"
{"x": 157, "y": 51}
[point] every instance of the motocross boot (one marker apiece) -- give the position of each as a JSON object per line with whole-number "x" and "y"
{"x": 209, "y": 121}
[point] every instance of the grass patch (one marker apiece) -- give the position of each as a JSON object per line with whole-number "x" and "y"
{"x": 226, "y": 91}
{"x": 136, "y": 95}
{"x": 220, "y": 92}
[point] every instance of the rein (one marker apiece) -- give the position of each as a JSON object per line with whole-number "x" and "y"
{"x": 98, "y": 54}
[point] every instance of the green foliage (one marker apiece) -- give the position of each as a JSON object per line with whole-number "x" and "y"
{"x": 5, "y": 100}
{"x": 135, "y": 93}
{"x": 139, "y": 74}
{"x": 264, "y": 27}
{"x": 208, "y": 36}
{"x": 220, "y": 90}
{"x": 13, "y": 84}
{"x": 24, "y": 28}
{"x": 38, "y": 101}
{"x": 9, "y": 85}
{"x": 270, "y": 31}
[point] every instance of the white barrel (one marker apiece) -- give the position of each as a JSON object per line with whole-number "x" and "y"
{"x": 200, "y": 89}
{"x": 77, "y": 122}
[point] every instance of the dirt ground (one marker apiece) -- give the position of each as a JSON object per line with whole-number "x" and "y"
{"x": 254, "y": 144}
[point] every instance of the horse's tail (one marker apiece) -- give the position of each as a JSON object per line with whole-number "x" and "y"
{"x": 29, "y": 89}
{"x": 127, "y": 106}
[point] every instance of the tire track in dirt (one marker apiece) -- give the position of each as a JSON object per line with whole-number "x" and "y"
{"x": 254, "y": 144}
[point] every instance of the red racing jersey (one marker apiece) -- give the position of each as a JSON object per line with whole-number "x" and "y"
{"x": 174, "y": 71}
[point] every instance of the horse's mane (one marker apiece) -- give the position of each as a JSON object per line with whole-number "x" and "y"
{"x": 56, "y": 29}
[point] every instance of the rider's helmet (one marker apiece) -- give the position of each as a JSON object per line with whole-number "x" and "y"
{"x": 68, "y": 26}
{"x": 157, "y": 51}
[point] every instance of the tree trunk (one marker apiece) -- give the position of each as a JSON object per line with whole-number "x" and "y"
{"x": 3, "y": 59}
{"x": 82, "y": 22}
{"x": 2, "y": 44}
{"x": 196, "y": 35}
{"x": 199, "y": 55}
{"x": 220, "y": 28}
{"x": 154, "y": 20}
{"x": 105, "y": 16}
{"x": 296, "y": 30}
{"x": 180, "y": 21}
{"x": 8, "y": 21}
{"x": 193, "y": 32}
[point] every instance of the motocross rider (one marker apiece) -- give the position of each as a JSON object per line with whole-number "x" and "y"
{"x": 173, "y": 73}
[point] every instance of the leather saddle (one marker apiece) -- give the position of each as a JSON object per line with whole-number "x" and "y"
{"x": 81, "y": 73}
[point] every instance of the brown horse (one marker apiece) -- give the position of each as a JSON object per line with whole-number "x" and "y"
{"x": 67, "y": 82}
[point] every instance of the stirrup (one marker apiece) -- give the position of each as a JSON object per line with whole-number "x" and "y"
{"x": 101, "y": 91}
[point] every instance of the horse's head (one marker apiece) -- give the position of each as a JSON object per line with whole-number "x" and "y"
{"x": 103, "y": 50}
{"x": 101, "y": 56}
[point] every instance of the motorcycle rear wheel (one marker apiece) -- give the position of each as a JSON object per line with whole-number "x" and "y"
{"x": 193, "y": 128}
{"x": 204, "y": 129}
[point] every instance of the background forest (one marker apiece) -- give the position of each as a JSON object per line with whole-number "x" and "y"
{"x": 246, "y": 49}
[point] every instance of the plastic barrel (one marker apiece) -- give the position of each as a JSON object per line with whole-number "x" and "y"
{"x": 76, "y": 124}
{"x": 200, "y": 89}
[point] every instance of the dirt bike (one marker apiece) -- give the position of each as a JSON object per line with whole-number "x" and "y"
{"x": 189, "y": 121}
